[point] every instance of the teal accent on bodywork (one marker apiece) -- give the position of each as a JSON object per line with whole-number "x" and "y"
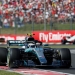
{"x": 38, "y": 53}
{"x": 29, "y": 49}
{"x": 25, "y": 63}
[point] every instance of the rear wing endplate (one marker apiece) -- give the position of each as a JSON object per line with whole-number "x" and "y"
{"x": 18, "y": 42}
{"x": 15, "y": 42}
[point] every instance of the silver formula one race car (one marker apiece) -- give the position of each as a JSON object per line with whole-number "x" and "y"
{"x": 33, "y": 54}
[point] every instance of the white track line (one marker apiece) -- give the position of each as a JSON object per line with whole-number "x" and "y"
{"x": 58, "y": 72}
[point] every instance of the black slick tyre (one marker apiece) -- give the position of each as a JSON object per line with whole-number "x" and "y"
{"x": 3, "y": 55}
{"x": 66, "y": 57}
{"x": 13, "y": 57}
{"x": 63, "y": 41}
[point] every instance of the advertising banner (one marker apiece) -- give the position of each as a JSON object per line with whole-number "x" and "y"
{"x": 52, "y": 36}
{"x": 12, "y": 37}
{"x": 44, "y": 36}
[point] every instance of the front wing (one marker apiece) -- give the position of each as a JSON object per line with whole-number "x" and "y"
{"x": 43, "y": 61}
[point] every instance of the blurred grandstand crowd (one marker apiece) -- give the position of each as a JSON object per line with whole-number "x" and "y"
{"x": 19, "y": 12}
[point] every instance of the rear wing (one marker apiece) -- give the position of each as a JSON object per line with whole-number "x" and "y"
{"x": 18, "y": 42}
{"x": 15, "y": 42}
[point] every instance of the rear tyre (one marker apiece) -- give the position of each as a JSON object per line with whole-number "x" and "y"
{"x": 65, "y": 56}
{"x": 13, "y": 58}
{"x": 3, "y": 55}
{"x": 63, "y": 41}
{"x": 74, "y": 42}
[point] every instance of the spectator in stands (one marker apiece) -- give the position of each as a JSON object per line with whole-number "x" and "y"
{"x": 15, "y": 12}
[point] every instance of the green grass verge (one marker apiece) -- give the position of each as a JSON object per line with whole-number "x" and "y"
{"x": 2, "y": 72}
{"x": 36, "y": 27}
{"x": 52, "y": 46}
{"x": 62, "y": 46}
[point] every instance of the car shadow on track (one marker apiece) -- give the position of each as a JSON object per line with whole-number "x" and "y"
{"x": 54, "y": 68}
{"x": 64, "y": 70}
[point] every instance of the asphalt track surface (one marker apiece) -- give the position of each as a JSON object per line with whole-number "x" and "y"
{"x": 70, "y": 71}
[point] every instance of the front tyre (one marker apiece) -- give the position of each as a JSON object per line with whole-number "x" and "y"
{"x": 13, "y": 58}
{"x": 65, "y": 57}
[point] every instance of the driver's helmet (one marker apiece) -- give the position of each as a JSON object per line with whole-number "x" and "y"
{"x": 29, "y": 37}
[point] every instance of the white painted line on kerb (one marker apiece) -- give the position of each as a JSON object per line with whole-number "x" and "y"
{"x": 49, "y": 71}
{"x": 63, "y": 73}
{"x": 58, "y": 72}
